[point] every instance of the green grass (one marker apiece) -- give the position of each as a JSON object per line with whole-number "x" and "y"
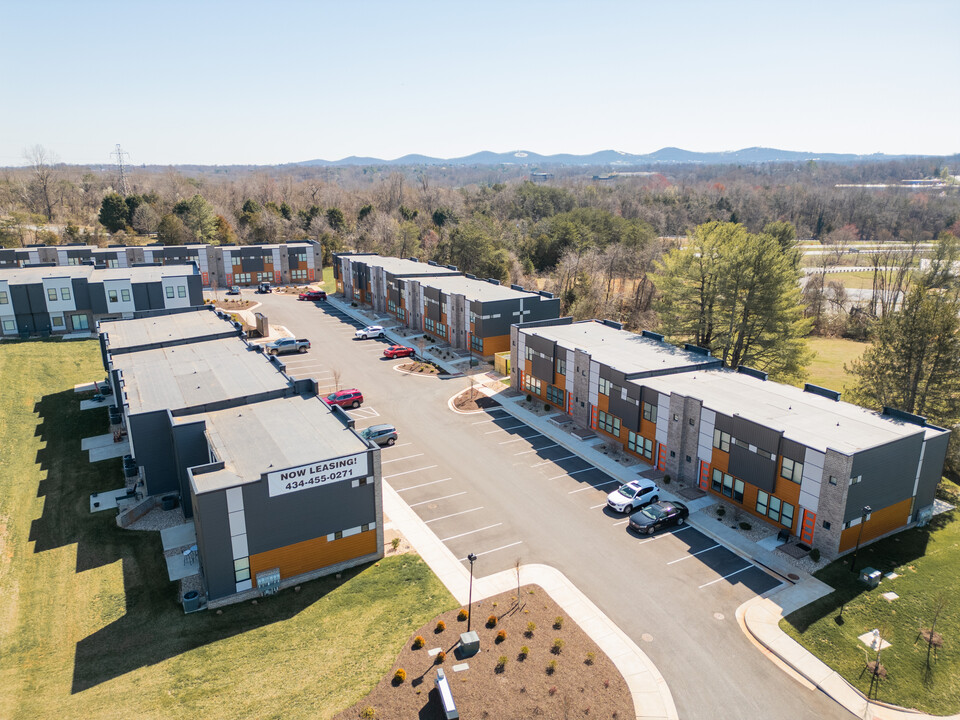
{"x": 329, "y": 283}
{"x": 859, "y": 280}
{"x": 826, "y": 369}
{"x": 89, "y": 624}
{"x": 927, "y": 560}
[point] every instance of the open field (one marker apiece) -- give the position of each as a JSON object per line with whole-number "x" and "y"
{"x": 826, "y": 369}
{"x": 926, "y": 560}
{"x": 89, "y": 624}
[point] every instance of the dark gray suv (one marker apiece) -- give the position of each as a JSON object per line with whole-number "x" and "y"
{"x": 380, "y": 434}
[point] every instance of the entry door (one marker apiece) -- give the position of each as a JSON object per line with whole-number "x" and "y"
{"x": 807, "y": 525}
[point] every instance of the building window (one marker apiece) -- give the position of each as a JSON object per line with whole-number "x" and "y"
{"x": 762, "y": 500}
{"x": 531, "y": 384}
{"x": 727, "y": 485}
{"x": 476, "y": 343}
{"x": 73, "y": 261}
{"x": 235, "y": 260}
{"x": 561, "y": 366}
{"x": 832, "y": 480}
{"x": 529, "y": 352}
{"x": 79, "y": 322}
{"x": 181, "y": 291}
{"x": 402, "y": 313}
{"x": 64, "y": 293}
{"x": 4, "y": 299}
{"x": 298, "y": 274}
{"x": 786, "y": 515}
{"x": 9, "y": 326}
{"x": 791, "y": 470}
{"x": 608, "y": 423}
{"x": 392, "y": 306}
{"x": 738, "y": 490}
{"x": 604, "y": 387}
{"x": 125, "y": 295}
{"x": 855, "y": 480}
{"x": 721, "y": 440}
{"x": 241, "y": 569}
{"x": 112, "y": 295}
{"x": 57, "y": 321}
{"x": 170, "y": 291}
{"x": 826, "y": 524}
{"x": 338, "y": 535}
{"x": 441, "y": 330}
{"x": 555, "y": 395}
{"x": 640, "y": 445}
{"x": 301, "y": 257}
{"x": 52, "y": 294}
{"x": 429, "y": 325}
{"x": 113, "y": 263}
{"x": 650, "y": 412}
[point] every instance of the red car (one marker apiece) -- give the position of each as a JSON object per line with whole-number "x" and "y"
{"x": 345, "y": 398}
{"x": 395, "y": 351}
{"x": 312, "y": 295}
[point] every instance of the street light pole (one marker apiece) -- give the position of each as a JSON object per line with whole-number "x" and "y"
{"x": 472, "y": 558}
{"x": 863, "y": 520}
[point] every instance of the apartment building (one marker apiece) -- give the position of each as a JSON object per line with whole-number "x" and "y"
{"x": 799, "y": 459}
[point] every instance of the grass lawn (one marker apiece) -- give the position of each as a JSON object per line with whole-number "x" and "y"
{"x": 927, "y": 560}
{"x": 826, "y": 369}
{"x": 329, "y": 284}
{"x": 858, "y": 280}
{"x": 89, "y": 624}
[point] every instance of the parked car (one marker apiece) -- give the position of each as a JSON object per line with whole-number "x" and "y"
{"x": 351, "y": 398}
{"x": 234, "y": 290}
{"x": 288, "y": 345}
{"x": 635, "y": 494}
{"x": 658, "y": 515}
{"x": 264, "y": 288}
{"x": 369, "y": 331}
{"x": 383, "y": 434}
{"x": 395, "y": 351}
{"x": 312, "y": 295}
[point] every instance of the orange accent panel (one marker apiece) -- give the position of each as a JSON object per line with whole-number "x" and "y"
{"x": 661, "y": 457}
{"x": 807, "y": 527}
{"x": 603, "y": 402}
{"x": 309, "y": 555}
{"x": 720, "y": 460}
{"x": 786, "y": 489}
{"x": 496, "y": 344}
{"x": 704, "y": 474}
{"x": 880, "y": 523}
{"x": 593, "y": 417}
{"x": 648, "y": 429}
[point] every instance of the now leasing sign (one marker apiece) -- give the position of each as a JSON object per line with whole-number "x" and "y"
{"x": 317, "y": 474}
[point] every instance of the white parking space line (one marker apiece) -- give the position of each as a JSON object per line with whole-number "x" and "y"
{"x": 590, "y": 487}
{"x": 687, "y": 557}
{"x": 624, "y": 522}
{"x": 504, "y": 442}
{"x": 547, "y": 462}
{"x": 545, "y": 447}
{"x": 407, "y": 472}
{"x": 384, "y": 462}
{"x": 678, "y": 530}
{"x": 363, "y": 413}
{"x": 598, "y": 506}
{"x": 575, "y": 472}
{"x": 464, "y": 512}
{"x": 481, "y": 422}
{"x": 487, "y": 552}
{"x": 471, "y": 532}
{"x": 414, "y": 487}
{"x": 735, "y": 572}
{"x": 396, "y": 446}
{"x": 445, "y": 497}
{"x": 512, "y": 427}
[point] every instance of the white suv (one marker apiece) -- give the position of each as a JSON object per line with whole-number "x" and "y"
{"x": 371, "y": 331}
{"x": 633, "y": 495}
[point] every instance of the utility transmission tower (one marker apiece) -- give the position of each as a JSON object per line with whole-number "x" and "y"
{"x": 123, "y": 172}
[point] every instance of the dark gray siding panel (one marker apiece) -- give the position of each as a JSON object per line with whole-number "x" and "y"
{"x": 613, "y": 375}
{"x": 431, "y": 309}
{"x": 791, "y": 449}
{"x": 652, "y": 397}
{"x": 25, "y": 322}
{"x": 141, "y": 299}
{"x": 37, "y": 298}
{"x": 494, "y": 326}
{"x": 626, "y": 411}
{"x": 195, "y": 289}
{"x": 253, "y": 264}
{"x": 81, "y": 293}
{"x": 755, "y": 434}
{"x": 274, "y": 522}
{"x": 213, "y": 539}
{"x": 541, "y": 345}
{"x": 934, "y": 454}
{"x": 98, "y": 299}
{"x": 153, "y": 449}
{"x": 542, "y": 368}
{"x": 542, "y": 310}
{"x": 190, "y": 445}
{"x": 888, "y": 473}
{"x": 21, "y": 300}
{"x": 752, "y": 468}
{"x": 155, "y": 299}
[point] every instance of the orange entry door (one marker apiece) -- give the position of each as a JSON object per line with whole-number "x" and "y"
{"x": 704, "y": 474}
{"x": 807, "y": 526}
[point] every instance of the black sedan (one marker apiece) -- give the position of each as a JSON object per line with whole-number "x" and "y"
{"x": 658, "y": 515}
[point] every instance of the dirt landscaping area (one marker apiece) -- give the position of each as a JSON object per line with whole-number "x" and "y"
{"x": 418, "y": 367}
{"x": 533, "y": 663}
{"x": 472, "y": 399}
{"x": 231, "y": 305}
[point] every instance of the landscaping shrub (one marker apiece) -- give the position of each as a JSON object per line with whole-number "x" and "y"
{"x": 666, "y": 479}
{"x": 558, "y": 622}
{"x": 492, "y": 621}
{"x": 524, "y": 651}
{"x": 546, "y": 407}
{"x": 529, "y": 398}
{"x": 721, "y": 511}
{"x": 501, "y": 663}
{"x": 440, "y": 657}
{"x": 368, "y": 713}
{"x": 590, "y": 658}
{"x": 745, "y": 526}
{"x": 462, "y": 615}
{"x": 501, "y": 636}
{"x": 815, "y": 554}
{"x": 441, "y": 626}
{"x": 557, "y": 646}
{"x": 395, "y": 543}
{"x": 399, "y": 676}
{"x": 531, "y": 626}
{"x": 418, "y": 642}
{"x": 551, "y": 669}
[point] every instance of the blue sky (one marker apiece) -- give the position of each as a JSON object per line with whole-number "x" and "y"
{"x": 272, "y": 82}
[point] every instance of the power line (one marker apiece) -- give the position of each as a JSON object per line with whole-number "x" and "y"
{"x": 123, "y": 172}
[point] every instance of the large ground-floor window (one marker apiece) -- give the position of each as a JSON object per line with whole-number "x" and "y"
{"x": 775, "y": 508}
{"x": 727, "y": 485}
{"x": 640, "y": 445}
{"x": 608, "y": 423}
{"x": 555, "y": 395}
{"x": 531, "y": 384}
{"x": 476, "y": 343}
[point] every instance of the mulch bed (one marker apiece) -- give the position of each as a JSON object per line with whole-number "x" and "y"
{"x": 578, "y": 685}
{"x": 233, "y": 305}
{"x": 473, "y": 399}
{"x": 419, "y": 368}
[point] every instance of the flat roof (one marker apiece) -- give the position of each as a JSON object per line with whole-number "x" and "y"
{"x": 272, "y": 435}
{"x": 195, "y": 374}
{"x": 621, "y": 350}
{"x": 143, "y": 273}
{"x": 804, "y": 417}
{"x": 477, "y": 290}
{"x": 402, "y": 266}
{"x": 181, "y": 326}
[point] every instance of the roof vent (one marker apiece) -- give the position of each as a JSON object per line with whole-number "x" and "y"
{"x": 744, "y": 370}
{"x": 613, "y": 324}
{"x": 822, "y": 392}
{"x": 690, "y": 347}
{"x": 903, "y": 416}
{"x": 492, "y": 281}
{"x": 652, "y": 335}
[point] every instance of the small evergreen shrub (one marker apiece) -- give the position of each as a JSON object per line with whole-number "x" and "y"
{"x": 524, "y": 651}
{"x": 815, "y": 554}
{"x": 590, "y": 658}
{"x": 441, "y": 626}
{"x": 492, "y": 621}
{"x": 531, "y": 626}
{"x": 551, "y": 669}
{"x": 501, "y": 636}
{"x": 529, "y": 398}
{"x": 399, "y": 676}
{"x": 440, "y": 657}
{"x": 418, "y": 642}
{"x": 721, "y": 511}
{"x": 557, "y": 646}
{"x": 462, "y": 615}
{"x": 558, "y": 622}
{"x": 745, "y": 526}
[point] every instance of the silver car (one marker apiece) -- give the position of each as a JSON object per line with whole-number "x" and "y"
{"x": 380, "y": 434}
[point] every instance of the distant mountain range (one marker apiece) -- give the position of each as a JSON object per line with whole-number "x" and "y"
{"x": 665, "y": 156}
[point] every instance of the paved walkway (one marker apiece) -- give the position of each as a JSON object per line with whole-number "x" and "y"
{"x": 759, "y": 617}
